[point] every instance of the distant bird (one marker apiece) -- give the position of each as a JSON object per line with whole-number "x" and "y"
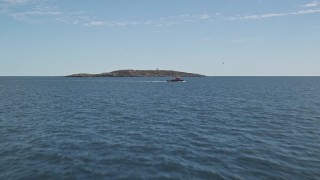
{"x": 222, "y": 62}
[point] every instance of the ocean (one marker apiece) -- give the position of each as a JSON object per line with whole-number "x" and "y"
{"x": 146, "y": 128}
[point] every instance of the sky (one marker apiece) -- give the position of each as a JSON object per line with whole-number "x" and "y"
{"x": 210, "y": 37}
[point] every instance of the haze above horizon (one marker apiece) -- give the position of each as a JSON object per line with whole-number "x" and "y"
{"x": 211, "y": 37}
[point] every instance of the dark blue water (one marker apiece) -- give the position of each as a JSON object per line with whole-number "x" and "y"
{"x": 144, "y": 128}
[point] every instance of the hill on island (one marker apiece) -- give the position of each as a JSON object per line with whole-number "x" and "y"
{"x": 139, "y": 73}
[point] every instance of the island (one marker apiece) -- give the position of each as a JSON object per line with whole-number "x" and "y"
{"x": 139, "y": 73}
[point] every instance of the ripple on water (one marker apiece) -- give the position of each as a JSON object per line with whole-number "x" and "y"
{"x": 207, "y": 128}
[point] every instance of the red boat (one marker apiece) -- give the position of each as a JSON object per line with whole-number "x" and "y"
{"x": 177, "y": 79}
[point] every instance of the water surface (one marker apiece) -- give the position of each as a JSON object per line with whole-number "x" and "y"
{"x": 145, "y": 128}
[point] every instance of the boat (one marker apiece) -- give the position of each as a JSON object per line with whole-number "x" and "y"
{"x": 177, "y": 79}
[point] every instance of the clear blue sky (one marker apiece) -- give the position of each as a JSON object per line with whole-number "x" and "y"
{"x": 212, "y": 37}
